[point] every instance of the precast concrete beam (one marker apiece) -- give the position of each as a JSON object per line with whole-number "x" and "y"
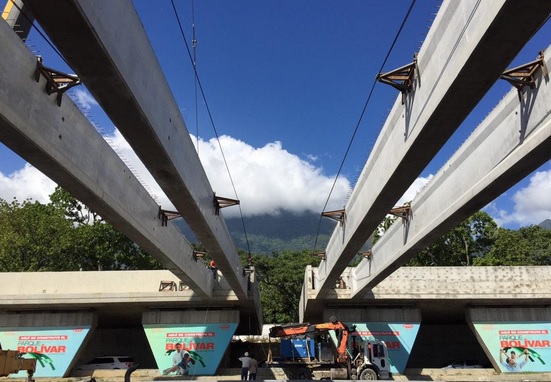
{"x": 513, "y": 141}
{"x": 48, "y": 319}
{"x": 508, "y": 314}
{"x": 119, "y": 296}
{"x": 106, "y": 45}
{"x": 435, "y": 292}
{"x": 373, "y": 314}
{"x": 468, "y": 47}
{"x": 62, "y": 143}
{"x": 98, "y": 289}
{"x": 211, "y": 316}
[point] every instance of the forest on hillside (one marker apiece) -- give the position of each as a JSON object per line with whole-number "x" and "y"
{"x": 65, "y": 235}
{"x": 267, "y": 234}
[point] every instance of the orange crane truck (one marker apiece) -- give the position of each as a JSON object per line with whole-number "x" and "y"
{"x": 328, "y": 351}
{"x": 12, "y": 362}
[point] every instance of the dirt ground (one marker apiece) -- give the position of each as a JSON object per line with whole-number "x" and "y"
{"x": 146, "y": 375}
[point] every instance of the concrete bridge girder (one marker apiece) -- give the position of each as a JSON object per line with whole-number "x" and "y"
{"x": 61, "y": 142}
{"x": 106, "y": 44}
{"x": 119, "y": 298}
{"x": 438, "y": 293}
{"x": 468, "y": 47}
{"x": 513, "y": 141}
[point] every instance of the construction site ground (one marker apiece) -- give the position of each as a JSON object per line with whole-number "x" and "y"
{"x": 273, "y": 374}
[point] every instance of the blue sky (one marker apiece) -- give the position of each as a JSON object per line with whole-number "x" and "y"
{"x": 286, "y": 82}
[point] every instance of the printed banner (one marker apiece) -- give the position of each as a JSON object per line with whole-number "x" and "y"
{"x": 53, "y": 348}
{"x": 399, "y": 339}
{"x": 517, "y": 347}
{"x": 205, "y": 344}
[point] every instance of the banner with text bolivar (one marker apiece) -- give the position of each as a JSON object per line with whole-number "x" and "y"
{"x": 517, "y": 347}
{"x": 53, "y": 348}
{"x": 205, "y": 344}
{"x": 399, "y": 339}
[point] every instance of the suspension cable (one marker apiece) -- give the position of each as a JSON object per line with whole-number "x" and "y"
{"x": 361, "y": 117}
{"x": 211, "y": 121}
{"x": 46, "y": 39}
{"x": 194, "y": 44}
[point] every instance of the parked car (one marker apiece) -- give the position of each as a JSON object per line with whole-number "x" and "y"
{"x": 112, "y": 362}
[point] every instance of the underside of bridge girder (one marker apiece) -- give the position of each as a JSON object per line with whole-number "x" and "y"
{"x": 466, "y": 50}
{"x": 106, "y": 44}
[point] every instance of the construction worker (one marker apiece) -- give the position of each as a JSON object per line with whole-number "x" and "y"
{"x": 212, "y": 267}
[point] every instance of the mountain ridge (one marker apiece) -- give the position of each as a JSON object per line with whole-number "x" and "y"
{"x": 546, "y": 224}
{"x": 268, "y": 234}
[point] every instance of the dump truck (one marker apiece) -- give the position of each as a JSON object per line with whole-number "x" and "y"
{"x": 328, "y": 351}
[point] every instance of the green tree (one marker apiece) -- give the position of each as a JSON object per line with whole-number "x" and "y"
{"x": 280, "y": 279}
{"x": 525, "y": 246}
{"x": 387, "y": 222}
{"x": 63, "y": 235}
{"x": 74, "y": 210}
{"x": 34, "y": 237}
{"x": 105, "y": 248}
{"x": 471, "y": 239}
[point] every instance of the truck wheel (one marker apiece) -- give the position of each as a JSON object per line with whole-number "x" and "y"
{"x": 302, "y": 374}
{"x": 368, "y": 375}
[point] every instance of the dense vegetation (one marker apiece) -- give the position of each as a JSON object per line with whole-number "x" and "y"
{"x": 65, "y": 235}
{"x": 280, "y": 278}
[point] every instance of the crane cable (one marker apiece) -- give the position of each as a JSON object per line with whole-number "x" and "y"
{"x": 212, "y": 122}
{"x": 194, "y": 44}
{"x": 46, "y": 38}
{"x": 361, "y": 117}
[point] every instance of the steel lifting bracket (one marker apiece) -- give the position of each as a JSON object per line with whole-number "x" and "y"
{"x": 401, "y": 78}
{"x": 524, "y": 75}
{"x": 166, "y": 215}
{"x": 338, "y": 215}
{"x": 403, "y": 212}
{"x": 366, "y": 254}
{"x": 56, "y": 81}
{"x": 220, "y": 202}
{"x": 320, "y": 255}
{"x": 198, "y": 255}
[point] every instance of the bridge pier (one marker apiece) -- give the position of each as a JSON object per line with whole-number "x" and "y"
{"x": 55, "y": 340}
{"x": 397, "y": 326}
{"x": 526, "y": 331}
{"x": 204, "y": 334}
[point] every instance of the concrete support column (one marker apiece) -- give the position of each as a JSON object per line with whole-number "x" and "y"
{"x": 203, "y": 334}
{"x": 397, "y": 327}
{"x": 515, "y": 339}
{"x": 55, "y": 340}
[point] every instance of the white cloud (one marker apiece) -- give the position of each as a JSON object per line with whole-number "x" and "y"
{"x": 83, "y": 99}
{"x": 414, "y": 189}
{"x": 532, "y": 204}
{"x": 269, "y": 178}
{"x": 26, "y": 183}
{"x": 124, "y": 150}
